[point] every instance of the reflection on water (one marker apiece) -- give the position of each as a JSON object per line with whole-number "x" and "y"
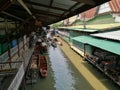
{"x": 62, "y": 74}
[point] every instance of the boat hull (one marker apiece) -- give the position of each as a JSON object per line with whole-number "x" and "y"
{"x": 43, "y": 66}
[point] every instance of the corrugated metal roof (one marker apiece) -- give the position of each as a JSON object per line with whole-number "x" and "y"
{"x": 85, "y": 30}
{"x": 115, "y": 5}
{"x": 107, "y": 45}
{"x": 79, "y": 29}
{"x": 45, "y": 10}
{"x": 114, "y": 35}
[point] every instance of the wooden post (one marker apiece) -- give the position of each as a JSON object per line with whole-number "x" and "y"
{"x": 17, "y": 32}
{"x": 84, "y": 23}
{"x": 24, "y": 83}
{"x": 84, "y": 52}
{"x": 8, "y": 40}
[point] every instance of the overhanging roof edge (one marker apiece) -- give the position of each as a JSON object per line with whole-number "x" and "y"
{"x": 107, "y": 45}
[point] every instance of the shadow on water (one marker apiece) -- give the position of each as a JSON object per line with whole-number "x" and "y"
{"x": 101, "y": 77}
{"x": 66, "y": 75}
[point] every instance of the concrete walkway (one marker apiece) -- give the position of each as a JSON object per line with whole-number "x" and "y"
{"x": 98, "y": 82}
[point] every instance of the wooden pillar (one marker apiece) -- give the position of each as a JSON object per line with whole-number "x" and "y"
{"x": 84, "y": 52}
{"x": 22, "y": 34}
{"x": 24, "y": 83}
{"x": 84, "y": 23}
{"x": 17, "y": 32}
{"x": 8, "y": 38}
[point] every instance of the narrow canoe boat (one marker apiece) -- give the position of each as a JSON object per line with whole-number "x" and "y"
{"x": 32, "y": 73}
{"x": 43, "y": 66}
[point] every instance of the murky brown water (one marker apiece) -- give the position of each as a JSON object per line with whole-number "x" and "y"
{"x": 62, "y": 75}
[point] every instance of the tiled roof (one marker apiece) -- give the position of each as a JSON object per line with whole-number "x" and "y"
{"x": 89, "y": 14}
{"x": 115, "y": 5}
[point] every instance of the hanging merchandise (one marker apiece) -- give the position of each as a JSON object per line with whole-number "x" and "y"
{"x": 13, "y": 43}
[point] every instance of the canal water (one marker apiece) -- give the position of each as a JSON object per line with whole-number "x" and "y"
{"x": 62, "y": 75}
{"x": 65, "y": 74}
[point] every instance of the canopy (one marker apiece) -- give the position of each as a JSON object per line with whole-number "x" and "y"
{"x": 108, "y": 45}
{"x": 47, "y": 11}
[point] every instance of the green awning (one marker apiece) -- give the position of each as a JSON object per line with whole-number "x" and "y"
{"x": 79, "y": 29}
{"x": 107, "y": 45}
{"x": 85, "y": 30}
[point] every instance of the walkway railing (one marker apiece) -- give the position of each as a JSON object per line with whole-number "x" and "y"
{"x": 16, "y": 68}
{"x": 18, "y": 78}
{"x": 9, "y": 67}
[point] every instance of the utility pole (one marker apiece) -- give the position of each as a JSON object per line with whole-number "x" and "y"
{"x": 84, "y": 23}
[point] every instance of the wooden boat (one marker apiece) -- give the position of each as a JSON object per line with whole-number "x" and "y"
{"x": 53, "y": 44}
{"x": 32, "y": 77}
{"x": 43, "y": 66}
{"x": 32, "y": 73}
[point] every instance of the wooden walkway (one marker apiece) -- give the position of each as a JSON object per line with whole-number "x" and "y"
{"x": 77, "y": 50}
{"x": 96, "y": 79}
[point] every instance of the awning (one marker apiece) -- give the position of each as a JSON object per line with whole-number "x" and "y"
{"x": 79, "y": 29}
{"x": 113, "y": 35}
{"x": 111, "y": 46}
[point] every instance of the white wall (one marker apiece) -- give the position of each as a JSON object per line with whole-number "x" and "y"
{"x": 104, "y": 8}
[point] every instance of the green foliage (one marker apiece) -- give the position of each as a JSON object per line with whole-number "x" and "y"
{"x": 58, "y": 24}
{"x": 103, "y": 19}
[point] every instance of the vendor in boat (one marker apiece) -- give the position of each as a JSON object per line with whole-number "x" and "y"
{"x": 53, "y": 44}
{"x": 44, "y": 47}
